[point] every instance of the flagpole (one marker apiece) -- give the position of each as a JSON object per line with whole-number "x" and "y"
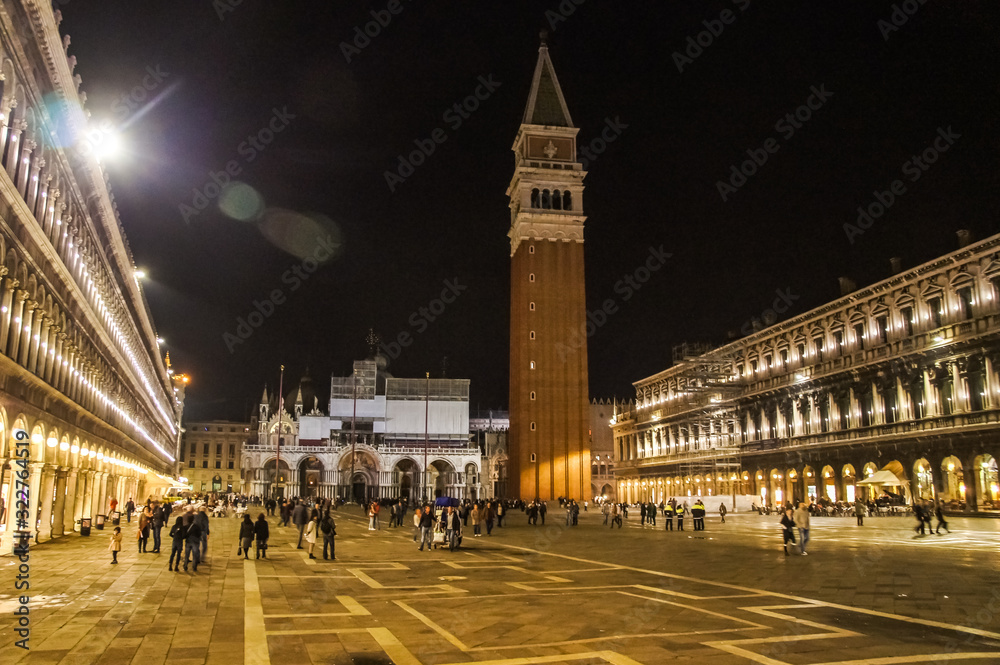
{"x": 350, "y": 481}
{"x": 427, "y": 410}
{"x": 281, "y": 410}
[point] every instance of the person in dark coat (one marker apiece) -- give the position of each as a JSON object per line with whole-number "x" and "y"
{"x": 192, "y": 541}
{"x": 787, "y": 529}
{"x": 329, "y": 529}
{"x": 300, "y": 517}
{"x": 178, "y": 532}
{"x": 246, "y": 536}
{"x": 158, "y": 519}
{"x": 261, "y": 532}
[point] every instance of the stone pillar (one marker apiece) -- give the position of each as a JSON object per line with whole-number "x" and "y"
{"x": 59, "y": 509}
{"x": 969, "y": 476}
{"x": 34, "y": 496}
{"x": 26, "y": 327}
{"x": 72, "y": 487}
{"x": 88, "y": 494}
{"x": 16, "y": 324}
{"x": 45, "y": 497}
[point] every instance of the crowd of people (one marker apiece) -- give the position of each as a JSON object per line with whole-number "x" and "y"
{"x": 441, "y": 525}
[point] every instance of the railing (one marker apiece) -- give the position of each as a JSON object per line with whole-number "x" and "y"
{"x": 383, "y": 449}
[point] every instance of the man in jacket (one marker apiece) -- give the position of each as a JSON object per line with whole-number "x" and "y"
{"x": 261, "y": 532}
{"x": 178, "y": 533}
{"x": 668, "y": 516}
{"x": 201, "y": 517}
{"x": 192, "y": 541}
{"x": 453, "y": 528}
{"x": 158, "y": 519}
{"x": 300, "y": 517}
{"x": 129, "y": 509}
{"x": 801, "y": 517}
{"x": 329, "y": 529}
{"x": 426, "y": 528}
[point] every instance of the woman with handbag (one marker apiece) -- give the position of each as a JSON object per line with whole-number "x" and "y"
{"x": 246, "y": 537}
{"x": 261, "y": 532}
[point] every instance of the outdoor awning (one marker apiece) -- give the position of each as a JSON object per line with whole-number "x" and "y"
{"x": 882, "y": 478}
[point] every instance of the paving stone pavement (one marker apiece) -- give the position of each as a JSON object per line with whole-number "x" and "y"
{"x": 584, "y": 595}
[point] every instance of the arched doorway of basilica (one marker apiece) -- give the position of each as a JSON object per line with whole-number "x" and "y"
{"x": 310, "y": 476}
{"x": 359, "y": 488}
{"x": 405, "y": 475}
{"x": 276, "y": 481}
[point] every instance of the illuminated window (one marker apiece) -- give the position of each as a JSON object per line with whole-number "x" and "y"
{"x": 532, "y": 364}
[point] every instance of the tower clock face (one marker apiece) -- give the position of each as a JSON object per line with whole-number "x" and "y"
{"x": 550, "y": 148}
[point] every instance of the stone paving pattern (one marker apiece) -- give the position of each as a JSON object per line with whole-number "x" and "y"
{"x": 874, "y": 594}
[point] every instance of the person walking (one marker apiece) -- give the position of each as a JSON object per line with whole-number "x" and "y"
{"x": 261, "y": 532}
{"x": 616, "y": 516}
{"x": 300, "y": 517}
{"x": 329, "y": 529}
{"x": 606, "y": 511}
{"x": 129, "y": 509}
{"x": 192, "y": 542}
{"x": 246, "y": 537}
{"x": 158, "y": 519}
{"x": 142, "y": 532}
{"x": 453, "y": 532}
{"x": 918, "y": 512}
{"x": 426, "y": 529}
{"x": 787, "y": 529}
{"x": 801, "y": 518}
{"x": 501, "y": 511}
{"x": 178, "y": 534}
{"x": 488, "y": 518}
{"x": 542, "y": 509}
{"x": 859, "y": 512}
{"x": 476, "y": 518}
{"x": 116, "y": 544}
{"x": 202, "y": 518}
{"x": 312, "y": 527}
{"x": 939, "y": 513}
{"x": 722, "y": 512}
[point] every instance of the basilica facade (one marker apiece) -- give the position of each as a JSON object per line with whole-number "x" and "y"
{"x": 898, "y": 377}
{"x": 382, "y": 437}
{"x": 82, "y": 383}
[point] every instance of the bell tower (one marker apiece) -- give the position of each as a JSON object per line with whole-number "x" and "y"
{"x": 549, "y": 446}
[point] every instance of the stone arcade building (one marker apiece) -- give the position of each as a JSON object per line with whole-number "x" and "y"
{"x": 410, "y": 438}
{"x": 80, "y": 366}
{"x": 898, "y": 376}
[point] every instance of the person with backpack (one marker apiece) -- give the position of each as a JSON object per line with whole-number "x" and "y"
{"x": 178, "y": 532}
{"x": 329, "y": 529}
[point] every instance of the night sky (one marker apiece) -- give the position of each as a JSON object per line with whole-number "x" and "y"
{"x": 676, "y": 134}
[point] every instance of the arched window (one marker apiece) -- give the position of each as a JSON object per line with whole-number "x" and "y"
{"x": 531, "y": 306}
{"x": 557, "y": 200}
{"x": 532, "y": 395}
{"x": 531, "y": 277}
{"x": 567, "y": 200}
{"x": 546, "y": 199}
{"x": 536, "y": 198}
